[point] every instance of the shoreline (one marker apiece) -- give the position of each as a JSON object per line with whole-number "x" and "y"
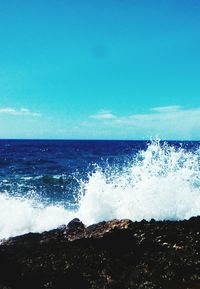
{"x": 115, "y": 254}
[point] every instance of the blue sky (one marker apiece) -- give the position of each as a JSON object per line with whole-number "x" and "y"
{"x": 103, "y": 69}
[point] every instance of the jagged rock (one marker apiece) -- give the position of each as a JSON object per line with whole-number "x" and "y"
{"x": 114, "y": 255}
{"x": 75, "y": 223}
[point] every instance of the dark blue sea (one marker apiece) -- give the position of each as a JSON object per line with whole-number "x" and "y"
{"x": 45, "y": 183}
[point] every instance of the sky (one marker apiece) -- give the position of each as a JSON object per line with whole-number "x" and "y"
{"x": 100, "y": 69}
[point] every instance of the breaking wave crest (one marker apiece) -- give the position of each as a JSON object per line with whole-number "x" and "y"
{"x": 162, "y": 182}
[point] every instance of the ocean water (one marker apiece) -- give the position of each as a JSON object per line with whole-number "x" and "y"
{"x": 44, "y": 184}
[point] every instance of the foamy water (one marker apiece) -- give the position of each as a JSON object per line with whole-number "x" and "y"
{"x": 161, "y": 183}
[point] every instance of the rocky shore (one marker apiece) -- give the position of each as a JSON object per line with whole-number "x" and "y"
{"x": 115, "y": 254}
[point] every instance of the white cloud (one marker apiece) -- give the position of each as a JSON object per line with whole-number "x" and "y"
{"x": 169, "y": 122}
{"x": 103, "y": 115}
{"x": 21, "y": 111}
{"x": 167, "y": 109}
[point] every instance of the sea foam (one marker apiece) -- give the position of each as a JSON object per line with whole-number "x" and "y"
{"x": 162, "y": 182}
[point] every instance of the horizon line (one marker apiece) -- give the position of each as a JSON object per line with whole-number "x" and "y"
{"x": 84, "y": 139}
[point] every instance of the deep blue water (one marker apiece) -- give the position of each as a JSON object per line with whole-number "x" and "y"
{"x": 52, "y": 169}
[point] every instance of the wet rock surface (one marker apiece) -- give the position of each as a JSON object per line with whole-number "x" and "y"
{"x": 114, "y": 254}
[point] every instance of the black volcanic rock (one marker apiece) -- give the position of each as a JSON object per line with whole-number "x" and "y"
{"x": 113, "y": 255}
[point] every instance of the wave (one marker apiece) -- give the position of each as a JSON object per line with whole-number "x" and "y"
{"x": 161, "y": 182}
{"x": 20, "y": 215}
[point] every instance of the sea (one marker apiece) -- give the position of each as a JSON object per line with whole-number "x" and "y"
{"x": 47, "y": 183}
